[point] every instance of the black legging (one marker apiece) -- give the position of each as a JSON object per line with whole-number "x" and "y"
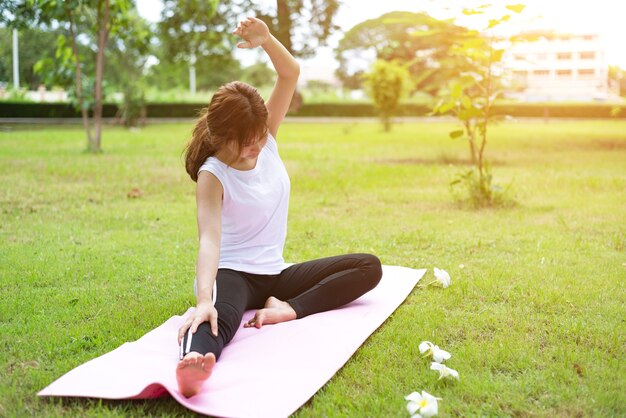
{"x": 310, "y": 287}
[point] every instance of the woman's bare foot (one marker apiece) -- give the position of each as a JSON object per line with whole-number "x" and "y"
{"x": 192, "y": 371}
{"x": 275, "y": 311}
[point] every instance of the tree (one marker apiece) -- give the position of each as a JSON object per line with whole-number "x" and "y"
{"x": 387, "y": 83}
{"x": 127, "y": 55}
{"x": 91, "y": 22}
{"x": 415, "y": 39}
{"x": 317, "y": 24}
{"x": 316, "y": 18}
{"x": 198, "y": 33}
{"x": 469, "y": 98}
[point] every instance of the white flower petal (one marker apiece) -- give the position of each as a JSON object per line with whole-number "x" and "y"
{"x": 412, "y": 407}
{"x": 413, "y": 397}
{"x": 436, "y": 366}
{"x": 429, "y": 397}
{"x": 425, "y": 346}
{"x": 442, "y": 277}
{"x": 439, "y": 368}
{"x": 440, "y": 355}
{"x": 430, "y": 409}
{"x": 444, "y": 371}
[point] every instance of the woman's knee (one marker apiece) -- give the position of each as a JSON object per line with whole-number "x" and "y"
{"x": 373, "y": 268}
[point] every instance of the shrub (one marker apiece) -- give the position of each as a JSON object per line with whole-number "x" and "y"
{"x": 386, "y": 83}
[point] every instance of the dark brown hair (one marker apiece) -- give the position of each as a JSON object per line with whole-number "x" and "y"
{"x": 236, "y": 115}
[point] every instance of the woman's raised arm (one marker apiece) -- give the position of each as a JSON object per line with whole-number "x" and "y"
{"x": 256, "y": 33}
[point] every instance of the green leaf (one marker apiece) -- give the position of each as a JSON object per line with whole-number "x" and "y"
{"x": 474, "y": 43}
{"x": 456, "y": 134}
{"x": 466, "y": 102}
{"x": 493, "y": 23}
{"x": 446, "y": 107}
{"x": 497, "y": 54}
{"x": 456, "y": 91}
{"x": 517, "y": 8}
{"x": 470, "y": 12}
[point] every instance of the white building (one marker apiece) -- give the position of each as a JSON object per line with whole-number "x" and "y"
{"x": 559, "y": 67}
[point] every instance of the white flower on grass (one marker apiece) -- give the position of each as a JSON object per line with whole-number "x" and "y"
{"x": 444, "y": 371}
{"x": 429, "y": 349}
{"x": 421, "y": 406}
{"x": 443, "y": 277}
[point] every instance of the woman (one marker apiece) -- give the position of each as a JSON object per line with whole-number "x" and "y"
{"x": 242, "y": 197}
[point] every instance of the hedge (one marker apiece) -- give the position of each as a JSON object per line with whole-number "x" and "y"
{"x": 185, "y": 110}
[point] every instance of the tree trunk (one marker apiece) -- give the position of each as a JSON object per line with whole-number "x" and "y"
{"x": 283, "y": 31}
{"x": 470, "y": 139}
{"x": 103, "y": 33}
{"x": 79, "y": 82}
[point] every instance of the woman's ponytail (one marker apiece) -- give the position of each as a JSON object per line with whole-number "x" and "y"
{"x": 200, "y": 146}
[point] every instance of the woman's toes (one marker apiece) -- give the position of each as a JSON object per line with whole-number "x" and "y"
{"x": 208, "y": 362}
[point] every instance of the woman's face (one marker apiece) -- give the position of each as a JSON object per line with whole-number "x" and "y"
{"x": 253, "y": 151}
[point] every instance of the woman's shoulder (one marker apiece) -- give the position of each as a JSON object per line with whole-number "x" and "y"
{"x": 212, "y": 165}
{"x": 271, "y": 143}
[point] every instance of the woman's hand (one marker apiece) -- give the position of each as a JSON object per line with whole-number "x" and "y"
{"x": 253, "y": 31}
{"x": 203, "y": 313}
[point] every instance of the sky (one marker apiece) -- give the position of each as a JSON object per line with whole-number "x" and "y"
{"x": 604, "y": 17}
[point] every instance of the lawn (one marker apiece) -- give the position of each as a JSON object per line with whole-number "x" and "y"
{"x": 534, "y": 318}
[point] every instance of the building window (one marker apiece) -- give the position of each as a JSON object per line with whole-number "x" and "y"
{"x": 541, "y": 73}
{"x": 564, "y": 56}
{"x": 520, "y": 74}
{"x": 564, "y": 73}
{"x": 588, "y": 55}
{"x": 519, "y": 57}
{"x": 586, "y": 73}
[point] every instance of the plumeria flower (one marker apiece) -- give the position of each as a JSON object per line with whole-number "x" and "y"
{"x": 421, "y": 406}
{"x": 444, "y": 371}
{"x": 443, "y": 277}
{"x": 429, "y": 349}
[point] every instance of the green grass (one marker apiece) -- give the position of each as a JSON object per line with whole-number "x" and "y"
{"x": 534, "y": 321}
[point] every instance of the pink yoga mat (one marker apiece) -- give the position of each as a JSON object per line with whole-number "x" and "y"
{"x": 267, "y": 372}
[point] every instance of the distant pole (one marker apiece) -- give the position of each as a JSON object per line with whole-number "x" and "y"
{"x": 192, "y": 74}
{"x": 16, "y": 63}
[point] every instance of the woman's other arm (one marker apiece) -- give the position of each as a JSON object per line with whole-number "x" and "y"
{"x": 255, "y": 33}
{"x": 209, "y": 203}
{"x": 209, "y": 206}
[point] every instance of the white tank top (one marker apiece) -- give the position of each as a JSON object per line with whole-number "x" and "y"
{"x": 254, "y": 212}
